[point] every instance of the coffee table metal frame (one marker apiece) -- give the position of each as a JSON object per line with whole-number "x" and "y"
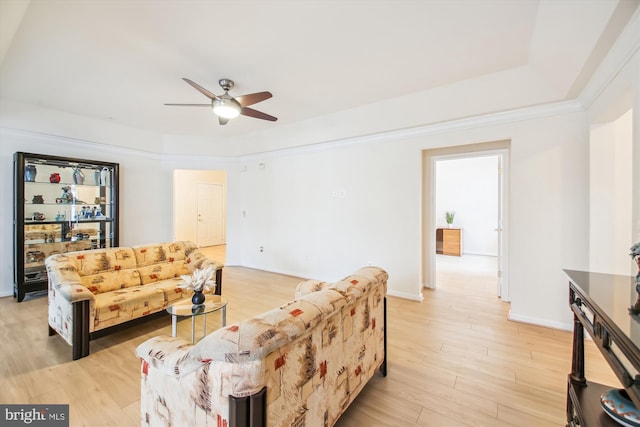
{"x": 185, "y": 307}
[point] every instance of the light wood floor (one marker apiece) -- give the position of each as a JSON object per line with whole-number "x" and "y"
{"x": 454, "y": 359}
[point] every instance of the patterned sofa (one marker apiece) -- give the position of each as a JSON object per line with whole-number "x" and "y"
{"x": 301, "y": 364}
{"x": 93, "y": 290}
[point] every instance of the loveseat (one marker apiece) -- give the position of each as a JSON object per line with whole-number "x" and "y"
{"x": 94, "y": 290}
{"x": 300, "y": 364}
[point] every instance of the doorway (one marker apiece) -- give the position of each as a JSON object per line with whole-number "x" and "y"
{"x": 199, "y": 206}
{"x": 481, "y": 206}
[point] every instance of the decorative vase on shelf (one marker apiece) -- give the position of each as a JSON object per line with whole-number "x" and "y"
{"x": 78, "y": 176}
{"x": 54, "y": 178}
{"x": 104, "y": 173}
{"x": 30, "y": 173}
{"x": 198, "y": 298}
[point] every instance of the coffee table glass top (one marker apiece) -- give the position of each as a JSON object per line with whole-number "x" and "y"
{"x": 186, "y": 308}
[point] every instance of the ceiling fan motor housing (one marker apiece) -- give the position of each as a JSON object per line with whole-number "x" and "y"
{"x": 226, "y": 84}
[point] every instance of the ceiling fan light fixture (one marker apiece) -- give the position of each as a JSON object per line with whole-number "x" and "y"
{"x": 226, "y": 108}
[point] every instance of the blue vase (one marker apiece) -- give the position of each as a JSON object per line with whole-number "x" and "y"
{"x": 198, "y": 298}
{"x": 30, "y": 173}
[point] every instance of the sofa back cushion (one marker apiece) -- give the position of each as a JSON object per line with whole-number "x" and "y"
{"x": 105, "y": 270}
{"x": 161, "y": 261}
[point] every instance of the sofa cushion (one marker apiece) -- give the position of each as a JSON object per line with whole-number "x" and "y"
{"x": 119, "y": 306}
{"x": 161, "y": 261}
{"x": 171, "y": 292}
{"x": 108, "y": 281}
{"x": 111, "y": 259}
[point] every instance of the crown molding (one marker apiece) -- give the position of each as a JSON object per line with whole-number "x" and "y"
{"x": 485, "y": 120}
{"x": 79, "y": 143}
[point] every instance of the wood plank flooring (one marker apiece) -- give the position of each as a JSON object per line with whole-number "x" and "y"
{"x": 454, "y": 359}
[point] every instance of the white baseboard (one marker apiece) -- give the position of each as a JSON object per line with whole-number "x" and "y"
{"x": 404, "y": 295}
{"x": 541, "y": 322}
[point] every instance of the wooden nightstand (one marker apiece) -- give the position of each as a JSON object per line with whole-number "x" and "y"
{"x": 449, "y": 241}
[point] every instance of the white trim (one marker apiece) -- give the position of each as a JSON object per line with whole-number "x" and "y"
{"x": 405, "y": 295}
{"x": 625, "y": 47}
{"x": 540, "y": 322}
{"x": 504, "y": 154}
{"x": 79, "y": 143}
{"x": 491, "y": 119}
{"x": 520, "y": 114}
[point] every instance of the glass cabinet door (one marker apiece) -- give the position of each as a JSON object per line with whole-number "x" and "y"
{"x": 61, "y": 205}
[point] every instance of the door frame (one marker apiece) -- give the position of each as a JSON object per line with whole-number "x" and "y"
{"x": 460, "y": 152}
{"x": 222, "y": 228}
{"x": 185, "y": 200}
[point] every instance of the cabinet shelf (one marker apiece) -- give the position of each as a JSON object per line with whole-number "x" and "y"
{"x": 587, "y": 408}
{"x": 600, "y": 304}
{"x": 35, "y": 240}
{"x": 78, "y": 221}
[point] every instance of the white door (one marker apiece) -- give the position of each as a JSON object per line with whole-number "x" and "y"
{"x": 210, "y": 215}
{"x": 502, "y": 281}
{"x": 499, "y": 227}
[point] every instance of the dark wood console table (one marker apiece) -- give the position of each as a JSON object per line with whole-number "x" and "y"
{"x": 600, "y": 304}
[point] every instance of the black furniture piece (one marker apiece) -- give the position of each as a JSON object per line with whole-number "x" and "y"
{"x": 60, "y": 205}
{"x": 600, "y": 304}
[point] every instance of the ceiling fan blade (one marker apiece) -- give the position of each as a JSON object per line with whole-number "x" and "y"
{"x": 200, "y": 89}
{"x": 246, "y": 111}
{"x": 222, "y": 121}
{"x": 189, "y": 105}
{"x": 253, "y": 98}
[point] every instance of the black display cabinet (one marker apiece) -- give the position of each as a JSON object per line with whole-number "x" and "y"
{"x": 61, "y": 204}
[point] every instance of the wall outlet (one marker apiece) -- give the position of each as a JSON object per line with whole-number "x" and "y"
{"x": 261, "y": 249}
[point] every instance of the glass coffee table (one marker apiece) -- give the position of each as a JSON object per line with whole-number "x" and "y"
{"x": 185, "y": 308}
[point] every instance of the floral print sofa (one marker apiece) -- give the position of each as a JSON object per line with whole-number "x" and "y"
{"x": 300, "y": 364}
{"x": 90, "y": 291}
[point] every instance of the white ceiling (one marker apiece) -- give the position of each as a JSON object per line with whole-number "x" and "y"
{"x": 122, "y": 60}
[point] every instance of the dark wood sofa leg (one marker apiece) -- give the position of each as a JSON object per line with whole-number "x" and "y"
{"x": 52, "y": 331}
{"x": 218, "y": 282}
{"x": 80, "y": 333}
{"x": 248, "y": 411}
{"x": 383, "y": 367}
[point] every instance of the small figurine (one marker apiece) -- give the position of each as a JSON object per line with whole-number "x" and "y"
{"x": 67, "y": 196}
{"x": 37, "y": 199}
{"x": 635, "y": 255}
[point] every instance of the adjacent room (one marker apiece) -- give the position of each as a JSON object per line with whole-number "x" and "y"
{"x": 249, "y": 213}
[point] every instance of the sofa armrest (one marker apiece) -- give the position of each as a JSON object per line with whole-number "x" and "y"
{"x": 64, "y": 280}
{"x": 310, "y": 286}
{"x": 169, "y": 355}
{"x": 176, "y": 358}
{"x": 197, "y": 260}
{"x": 350, "y": 286}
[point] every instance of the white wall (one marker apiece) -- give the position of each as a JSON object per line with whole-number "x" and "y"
{"x": 294, "y": 207}
{"x": 307, "y": 231}
{"x": 469, "y": 187}
{"x": 613, "y": 91}
{"x": 610, "y": 170}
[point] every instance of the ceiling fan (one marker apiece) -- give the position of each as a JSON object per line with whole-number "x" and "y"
{"x": 226, "y": 106}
